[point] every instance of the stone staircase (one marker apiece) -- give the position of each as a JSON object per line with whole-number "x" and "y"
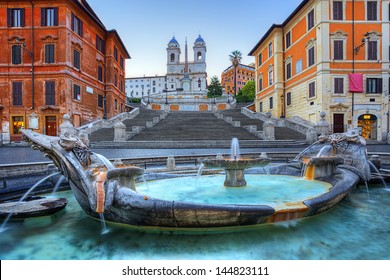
{"x": 145, "y": 119}
{"x": 189, "y": 126}
{"x": 255, "y": 126}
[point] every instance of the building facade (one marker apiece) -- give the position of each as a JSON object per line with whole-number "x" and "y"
{"x": 244, "y": 73}
{"x": 144, "y": 87}
{"x": 330, "y": 56}
{"x": 57, "y": 58}
{"x": 184, "y": 76}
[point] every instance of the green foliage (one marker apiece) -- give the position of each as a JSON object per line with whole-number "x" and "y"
{"x": 133, "y": 100}
{"x": 215, "y": 88}
{"x": 247, "y": 93}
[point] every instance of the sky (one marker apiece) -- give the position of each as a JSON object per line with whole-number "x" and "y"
{"x": 146, "y": 27}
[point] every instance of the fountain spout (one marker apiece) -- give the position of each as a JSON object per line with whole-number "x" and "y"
{"x": 235, "y": 149}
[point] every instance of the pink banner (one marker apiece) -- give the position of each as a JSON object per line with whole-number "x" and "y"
{"x": 355, "y": 82}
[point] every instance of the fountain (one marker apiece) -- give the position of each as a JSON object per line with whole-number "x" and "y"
{"x": 104, "y": 190}
{"x": 235, "y": 165}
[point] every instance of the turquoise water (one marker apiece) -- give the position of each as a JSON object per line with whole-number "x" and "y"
{"x": 261, "y": 189}
{"x": 358, "y": 228}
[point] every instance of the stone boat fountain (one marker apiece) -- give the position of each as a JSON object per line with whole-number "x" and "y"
{"x": 105, "y": 190}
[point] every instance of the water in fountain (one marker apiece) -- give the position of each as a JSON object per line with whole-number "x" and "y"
{"x": 2, "y": 227}
{"x": 368, "y": 192}
{"x": 58, "y": 184}
{"x": 143, "y": 178}
{"x": 379, "y": 174}
{"x": 325, "y": 151}
{"x": 235, "y": 149}
{"x": 104, "y": 225}
{"x": 200, "y": 170}
{"x": 105, "y": 161}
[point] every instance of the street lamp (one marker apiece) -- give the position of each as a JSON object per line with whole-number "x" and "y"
{"x": 148, "y": 96}
{"x": 31, "y": 54}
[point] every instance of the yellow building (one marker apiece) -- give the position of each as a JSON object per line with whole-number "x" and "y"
{"x": 303, "y": 65}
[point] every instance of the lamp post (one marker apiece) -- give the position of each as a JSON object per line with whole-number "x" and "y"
{"x": 148, "y": 96}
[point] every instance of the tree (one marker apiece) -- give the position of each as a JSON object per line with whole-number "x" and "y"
{"x": 247, "y": 93}
{"x": 215, "y": 88}
{"x": 235, "y": 58}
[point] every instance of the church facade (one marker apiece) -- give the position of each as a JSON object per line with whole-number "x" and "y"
{"x": 186, "y": 77}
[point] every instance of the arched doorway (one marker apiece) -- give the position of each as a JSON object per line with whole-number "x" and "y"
{"x": 368, "y": 124}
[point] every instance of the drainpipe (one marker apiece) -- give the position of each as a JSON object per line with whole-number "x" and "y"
{"x": 353, "y": 55}
{"x": 32, "y": 57}
{"x": 105, "y": 83}
{"x": 284, "y": 76}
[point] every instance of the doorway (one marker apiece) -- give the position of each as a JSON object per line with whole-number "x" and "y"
{"x": 51, "y": 125}
{"x": 368, "y": 124}
{"x": 338, "y": 123}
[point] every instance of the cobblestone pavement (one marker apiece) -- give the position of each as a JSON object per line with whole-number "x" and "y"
{"x": 15, "y": 155}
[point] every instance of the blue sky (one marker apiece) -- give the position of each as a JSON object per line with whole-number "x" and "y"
{"x": 146, "y": 27}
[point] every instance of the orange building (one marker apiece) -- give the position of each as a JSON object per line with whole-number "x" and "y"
{"x": 244, "y": 73}
{"x": 57, "y": 57}
{"x": 303, "y": 65}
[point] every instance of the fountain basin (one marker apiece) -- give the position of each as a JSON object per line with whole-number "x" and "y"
{"x": 101, "y": 189}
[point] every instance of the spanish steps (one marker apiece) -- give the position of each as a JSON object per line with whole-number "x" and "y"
{"x": 195, "y": 127}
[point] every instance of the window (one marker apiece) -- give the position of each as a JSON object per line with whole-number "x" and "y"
{"x": 271, "y": 102}
{"x": 288, "y": 71}
{"x": 270, "y": 77}
{"x": 261, "y": 106}
{"x": 261, "y": 84}
{"x": 76, "y": 59}
{"x": 372, "y": 10}
{"x": 337, "y": 10}
{"x": 76, "y": 92}
{"x": 310, "y": 20}
{"x": 77, "y": 25}
{"x": 270, "y": 51}
{"x": 50, "y": 93}
{"x": 16, "y": 54}
{"x": 116, "y": 53}
{"x": 100, "y": 101}
{"x": 199, "y": 56}
{"x": 374, "y": 85}
{"x": 312, "y": 89}
{"x": 100, "y": 73}
{"x": 100, "y": 44}
{"x": 121, "y": 85}
{"x": 338, "y": 49}
{"x": 116, "y": 104}
{"x": 49, "y": 53}
{"x": 17, "y": 94}
{"x": 115, "y": 79}
{"x": 49, "y": 16}
{"x": 15, "y": 18}
{"x": 310, "y": 54}
{"x": 288, "y": 98}
{"x": 122, "y": 62}
{"x": 298, "y": 66}
{"x": 260, "y": 58}
{"x": 288, "y": 40}
{"x": 172, "y": 57}
{"x": 372, "y": 50}
{"x": 338, "y": 85}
